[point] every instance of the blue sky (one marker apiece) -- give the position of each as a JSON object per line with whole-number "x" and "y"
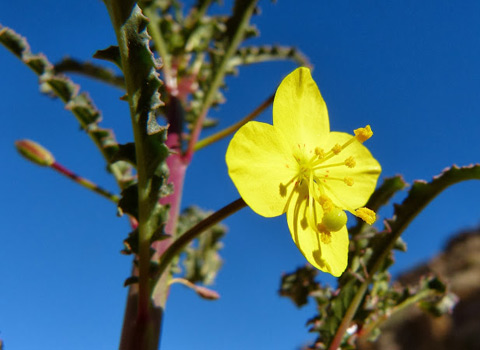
{"x": 410, "y": 69}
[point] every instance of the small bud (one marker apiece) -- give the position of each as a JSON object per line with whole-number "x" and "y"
{"x": 206, "y": 293}
{"x": 34, "y": 152}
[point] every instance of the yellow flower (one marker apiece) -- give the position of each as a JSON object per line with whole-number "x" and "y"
{"x": 298, "y": 166}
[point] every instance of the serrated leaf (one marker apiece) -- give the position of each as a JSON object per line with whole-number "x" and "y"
{"x": 128, "y": 202}
{"x": 143, "y": 80}
{"x": 125, "y": 152}
{"x": 111, "y": 54}
{"x": 61, "y": 86}
{"x": 90, "y": 70}
{"x": 258, "y": 54}
{"x": 419, "y": 195}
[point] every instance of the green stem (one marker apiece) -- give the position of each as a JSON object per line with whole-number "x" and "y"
{"x": 181, "y": 242}
{"x": 219, "y": 75}
{"x": 137, "y": 69}
{"x": 231, "y": 129}
{"x": 203, "y": 8}
{"x": 84, "y": 182}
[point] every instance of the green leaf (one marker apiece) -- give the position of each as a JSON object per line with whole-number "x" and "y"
{"x": 128, "y": 203}
{"x": 299, "y": 285}
{"x": 111, "y": 54}
{"x": 126, "y": 153}
{"x": 258, "y": 54}
{"x": 90, "y": 70}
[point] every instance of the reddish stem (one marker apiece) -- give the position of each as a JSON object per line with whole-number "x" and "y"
{"x": 139, "y": 327}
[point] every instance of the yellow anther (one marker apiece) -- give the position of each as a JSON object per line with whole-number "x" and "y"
{"x": 320, "y": 153}
{"x": 348, "y": 180}
{"x": 324, "y": 234}
{"x": 326, "y": 203}
{"x": 366, "y": 215}
{"x": 350, "y": 162}
{"x": 337, "y": 149}
{"x": 363, "y": 134}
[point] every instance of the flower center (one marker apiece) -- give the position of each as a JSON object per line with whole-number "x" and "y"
{"x": 314, "y": 173}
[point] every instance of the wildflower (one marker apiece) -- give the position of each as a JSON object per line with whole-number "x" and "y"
{"x": 298, "y": 166}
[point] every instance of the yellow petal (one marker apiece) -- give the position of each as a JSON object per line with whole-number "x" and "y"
{"x": 299, "y": 111}
{"x": 259, "y": 166}
{"x": 329, "y": 254}
{"x": 364, "y": 174}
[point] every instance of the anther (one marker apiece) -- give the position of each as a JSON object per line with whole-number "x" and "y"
{"x": 363, "y": 134}
{"x": 350, "y": 162}
{"x": 320, "y": 153}
{"x": 326, "y": 203}
{"x": 325, "y": 234}
{"x": 366, "y": 215}
{"x": 337, "y": 149}
{"x": 348, "y": 180}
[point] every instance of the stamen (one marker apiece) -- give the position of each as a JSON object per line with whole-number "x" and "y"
{"x": 329, "y": 166}
{"x": 366, "y": 215}
{"x": 350, "y": 162}
{"x": 363, "y": 134}
{"x": 319, "y": 152}
{"x": 348, "y": 180}
{"x": 326, "y": 203}
{"x": 337, "y": 149}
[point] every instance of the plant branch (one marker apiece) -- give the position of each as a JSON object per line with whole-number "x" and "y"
{"x": 219, "y": 74}
{"x": 419, "y": 196}
{"x": 181, "y": 242}
{"x": 231, "y": 129}
{"x": 84, "y": 182}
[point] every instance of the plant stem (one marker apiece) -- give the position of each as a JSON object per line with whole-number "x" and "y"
{"x": 219, "y": 75}
{"x": 84, "y": 182}
{"x": 182, "y": 241}
{"x": 231, "y": 129}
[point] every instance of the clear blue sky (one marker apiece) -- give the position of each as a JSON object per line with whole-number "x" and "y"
{"x": 411, "y": 69}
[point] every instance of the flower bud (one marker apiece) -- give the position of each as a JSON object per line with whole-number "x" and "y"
{"x": 206, "y": 293}
{"x": 34, "y": 152}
